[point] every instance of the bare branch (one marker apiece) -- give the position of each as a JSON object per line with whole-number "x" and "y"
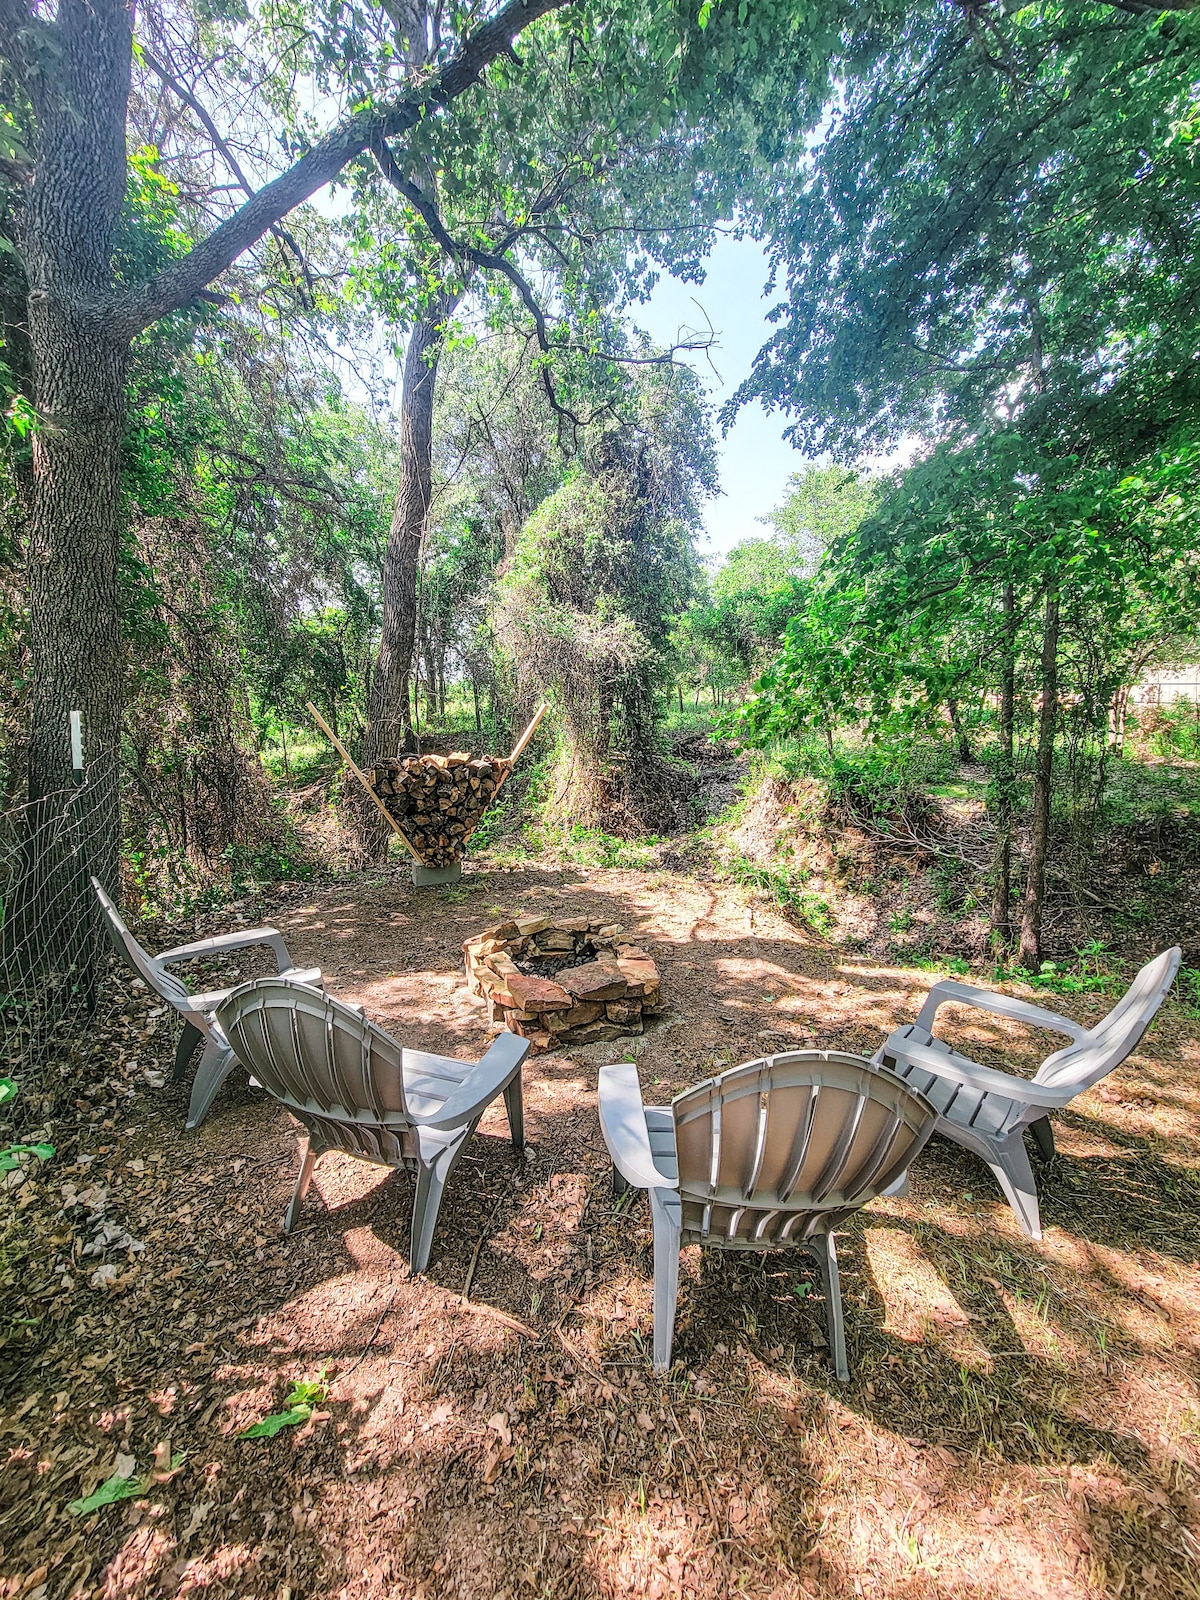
{"x": 179, "y": 283}
{"x": 286, "y": 239}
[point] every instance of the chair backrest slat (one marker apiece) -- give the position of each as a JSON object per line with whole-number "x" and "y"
{"x": 834, "y": 1170}
{"x": 321, "y": 1057}
{"x": 777, "y": 1149}
{"x": 800, "y": 1143}
{"x": 760, "y": 1141}
{"x": 164, "y": 983}
{"x": 1088, "y": 1059}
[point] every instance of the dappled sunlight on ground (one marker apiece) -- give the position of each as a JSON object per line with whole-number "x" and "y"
{"x": 1023, "y": 1418}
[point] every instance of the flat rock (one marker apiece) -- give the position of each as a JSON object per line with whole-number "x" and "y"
{"x": 640, "y": 974}
{"x": 537, "y": 994}
{"x": 595, "y": 980}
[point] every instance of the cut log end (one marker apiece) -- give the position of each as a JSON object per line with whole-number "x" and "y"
{"x": 438, "y": 800}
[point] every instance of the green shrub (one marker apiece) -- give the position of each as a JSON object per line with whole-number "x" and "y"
{"x": 1173, "y": 731}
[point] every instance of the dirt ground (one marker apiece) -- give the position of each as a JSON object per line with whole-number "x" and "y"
{"x": 1023, "y": 1418}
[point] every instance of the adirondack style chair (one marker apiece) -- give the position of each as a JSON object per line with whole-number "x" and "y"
{"x": 355, "y": 1088}
{"x": 197, "y": 1010}
{"x": 770, "y": 1155}
{"x": 988, "y": 1111}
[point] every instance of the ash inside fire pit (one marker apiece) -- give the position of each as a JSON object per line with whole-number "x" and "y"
{"x": 568, "y": 981}
{"x": 549, "y": 966}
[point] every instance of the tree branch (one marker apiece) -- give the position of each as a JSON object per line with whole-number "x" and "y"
{"x": 179, "y": 283}
{"x": 185, "y": 96}
{"x": 496, "y": 260}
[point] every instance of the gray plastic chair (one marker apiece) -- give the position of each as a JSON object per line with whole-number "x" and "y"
{"x": 988, "y": 1111}
{"x": 354, "y": 1088}
{"x": 197, "y": 1010}
{"x": 770, "y": 1155}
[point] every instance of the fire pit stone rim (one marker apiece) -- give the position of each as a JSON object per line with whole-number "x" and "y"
{"x": 616, "y": 984}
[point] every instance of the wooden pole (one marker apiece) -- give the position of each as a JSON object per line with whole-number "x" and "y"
{"x": 346, "y": 757}
{"x": 516, "y": 751}
{"x": 527, "y": 735}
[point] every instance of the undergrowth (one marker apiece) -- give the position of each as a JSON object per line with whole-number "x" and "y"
{"x": 787, "y": 888}
{"x": 592, "y": 847}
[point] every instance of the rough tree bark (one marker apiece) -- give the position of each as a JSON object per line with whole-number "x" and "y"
{"x": 79, "y": 394}
{"x": 1005, "y": 775}
{"x": 1039, "y": 836}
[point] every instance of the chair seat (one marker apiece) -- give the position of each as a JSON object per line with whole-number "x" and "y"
{"x": 956, "y": 1103}
{"x": 430, "y": 1080}
{"x": 210, "y": 1001}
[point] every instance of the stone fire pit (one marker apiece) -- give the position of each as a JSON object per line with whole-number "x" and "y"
{"x": 562, "y": 982}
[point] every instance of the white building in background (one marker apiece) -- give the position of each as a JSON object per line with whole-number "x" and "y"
{"x": 1163, "y": 687}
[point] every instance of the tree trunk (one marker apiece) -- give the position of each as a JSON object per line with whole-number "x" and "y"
{"x": 1006, "y": 775}
{"x": 389, "y": 711}
{"x": 78, "y": 360}
{"x": 1124, "y": 708}
{"x": 960, "y": 733}
{"x": 1039, "y": 838}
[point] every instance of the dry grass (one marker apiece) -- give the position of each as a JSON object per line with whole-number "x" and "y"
{"x": 1023, "y": 1420}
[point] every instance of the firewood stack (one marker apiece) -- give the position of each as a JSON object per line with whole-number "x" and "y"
{"x": 438, "y": 800}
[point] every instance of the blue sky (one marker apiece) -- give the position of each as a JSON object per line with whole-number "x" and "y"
{"x": 755, "y": 459}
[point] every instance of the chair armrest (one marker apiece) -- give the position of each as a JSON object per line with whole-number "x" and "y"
{"x": 1003, "y": 1005}
{"x": 958, "y": 1069}
{"x": 623, "y": 1124}
{"x": 223, "y": 942}
{"x": 481, "y": 1085}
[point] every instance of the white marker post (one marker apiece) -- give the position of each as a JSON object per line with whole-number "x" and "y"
{"x": 77, "y": 744}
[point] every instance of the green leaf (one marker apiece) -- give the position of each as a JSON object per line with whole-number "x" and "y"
{"x": 299, "y": 1401}
{"x": 270, "y": 1426}
{"x": 110, "y": 1491}
{"x": 8, "y": 1090}
{"x": 118, "y": 1488}
{"x": 10, "y": 1157}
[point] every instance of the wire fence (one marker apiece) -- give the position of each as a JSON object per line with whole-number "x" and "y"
{"x": 52, "y": 943}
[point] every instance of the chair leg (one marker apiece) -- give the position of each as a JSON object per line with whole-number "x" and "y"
{"x": 1015, "y": 1176}
{"x": 308, "y": 1163}
{"x": 189, "y": 1038}
{"x": 514, "y": 1105}
{"x": 620, "y": 1184}
{"x": 215, "y": 1066}
{"x": 431, "y": 1181}
{"x": 826, "y": 1253}
{"x": 666, "y": 1276}
{"x": 1043, "y": 1135}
